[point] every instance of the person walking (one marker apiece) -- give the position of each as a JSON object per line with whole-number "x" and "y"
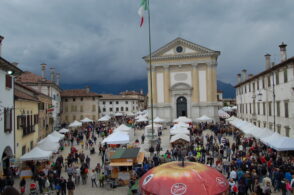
{"x": 70, "y": 186}
{"x": 142, "y": 139}
{"x": 101, "y": 179}
{"x": 22, "y": 185}
{"x": 63, "y": 186}
{"x": 93, "y": 178}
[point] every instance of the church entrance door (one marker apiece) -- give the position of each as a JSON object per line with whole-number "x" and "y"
{"x": 181, "y": 106}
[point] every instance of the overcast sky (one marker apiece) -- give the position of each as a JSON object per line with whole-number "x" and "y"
{"x": 90, "y": 41}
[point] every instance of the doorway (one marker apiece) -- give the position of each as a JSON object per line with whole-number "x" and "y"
{"x": 181, "y": 106}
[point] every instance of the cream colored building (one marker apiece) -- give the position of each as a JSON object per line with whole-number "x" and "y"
{"x": 184, "y": 80}
{"x": 78, "y": 104}
{"x": 45, "y": 118}
{"x": 26, "y": 119}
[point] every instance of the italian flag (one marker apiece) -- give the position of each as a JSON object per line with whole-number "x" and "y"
{"x": 143, "y": 7}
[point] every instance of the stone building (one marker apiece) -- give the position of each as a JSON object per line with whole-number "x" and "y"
{"x": 142, "y": 104}
{"x": 26, "y": 119}
{"x": 78, "y": 104}
{"x": 184, "y": 80}
{"x": 111, "y": 104}
{"x": 8, "y": 71}
{"x": 47, "y": 87}
{"x": 267, "y": 98}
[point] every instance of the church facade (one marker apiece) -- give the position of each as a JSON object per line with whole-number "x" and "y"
{"x": 183, "y": 81}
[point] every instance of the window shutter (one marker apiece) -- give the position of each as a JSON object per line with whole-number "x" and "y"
{"x": 8, "y": 81}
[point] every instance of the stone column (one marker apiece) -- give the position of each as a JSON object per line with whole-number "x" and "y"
{"x": 154, "y": 86}
{"x": 166, "y": 84}
{"x": 209, "y": 83}
{"x": 214, "y": 82}
{"x": 149, "y": 92}
{"x": 195, "y": 84}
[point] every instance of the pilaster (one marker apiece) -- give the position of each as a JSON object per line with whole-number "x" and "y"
{"x": 166, "y": 84}
{"x": 195, "y": 84}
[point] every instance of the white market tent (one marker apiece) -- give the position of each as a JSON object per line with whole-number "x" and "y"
{"x": 63, "y": 130}
{"x": 57, "y": 134}
{"x": 141, "y": 119}
{"x": 130, "y": 114}
{"x": 75, "y": 124}
{"x": 262, "y": 132}
{"x": 36, "y": 154}
{"x": 183, "y": 119}
{"x": 104, "y": 118}
{"x": 180, "y": 131}
{"x": 86, "y": 120}
{"x": 157, "y": 126}
{"x": 279, "y": 142}
{"x": 48, "y": 145}
{"x": 118, "y": 114}
{"x": 227, "y": 109}
{"x": 125, "y": 129}
{"x": 180, "y": 125}
{"x": 117, "y": 138}
{"x": 159, "y": 120}
{"x": 179, "y": 136}
{"x": 223, "y": 114}
{"x": 204, "y": 118}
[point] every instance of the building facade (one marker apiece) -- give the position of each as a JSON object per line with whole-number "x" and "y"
{"x": 47, "y": 87}
{"x": 7, "y": 143}
{"x": 183, "y": 80}
{"x": 137, "y": 95}
{"x": 45, "y": 116}
{"x": 267, "y": 99}
{"x": 26, "y": 119}
{"x": 111, "y": 104}
{"x": 78, "y": 104}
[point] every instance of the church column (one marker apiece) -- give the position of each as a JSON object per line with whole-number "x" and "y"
{"x": 166, "y": 84}
{"x": 214, "y": 82}
{"x": 209, "y": 83}
{"x": 154, "y": 91}
{"x": 195, "y": 85}
{"x": 149, "y": 90}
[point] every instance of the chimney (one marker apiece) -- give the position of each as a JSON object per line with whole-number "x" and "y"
{"x": 87, "y": 89}
{"x": 1, "y": 39}
{"x": 283, "y": 51}
{"x": 14, "y": 63}
{"x": 43, "y": 69}
{"x": 267, "y": 61}
{"x": 57, "y": 78}
{"x": 52, "y": 74}
{"x": 238, "y": 78}
{"x": 244, "y": 74}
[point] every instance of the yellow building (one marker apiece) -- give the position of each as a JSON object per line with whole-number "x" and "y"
{"x": 183, "y": 80}
{"x": 26, "y": 119}
{"x": 45, "y": 117}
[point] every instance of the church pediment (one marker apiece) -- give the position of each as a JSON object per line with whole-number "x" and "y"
{"x": 181, "y": 47}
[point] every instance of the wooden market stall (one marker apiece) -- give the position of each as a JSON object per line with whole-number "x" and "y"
{"x": 121, "y": 162}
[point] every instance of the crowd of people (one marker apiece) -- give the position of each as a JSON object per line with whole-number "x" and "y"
{"x": 250, "y": 166}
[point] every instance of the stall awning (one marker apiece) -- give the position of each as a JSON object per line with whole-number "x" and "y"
{"x": 121, "y": 164}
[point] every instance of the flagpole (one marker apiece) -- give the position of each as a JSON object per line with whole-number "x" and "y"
{"x": 150, "y": 72}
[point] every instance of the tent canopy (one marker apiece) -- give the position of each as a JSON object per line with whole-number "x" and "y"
{"x": 63, "y": 130}
{"x": 57, "y": 134}
{"x": 180, "y": 131}
{"x": 123, "y": 127}
{"x": 36, "y": 154}
{"x": 104, "y": 118}
{"x": 75, "y": 124}
{"x": 117, "y": 138}
{"x": 48, "y": 144}
{"x": 180, "y": 136}
{"x": 204, "y": 118}
{"x": 159, "y": 120}
{"x": 223, "y": 114}
{"x": 118, "y": 114}
{"x": 279, "y": 142}
{"x": 142, "y": 119}
{"x": 183, "y": 119}
{"x": 86, "y": 120}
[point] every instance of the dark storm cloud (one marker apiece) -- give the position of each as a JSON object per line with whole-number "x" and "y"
{"x": 100, "y": 41}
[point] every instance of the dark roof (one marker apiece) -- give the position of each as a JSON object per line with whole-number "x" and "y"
{"x": 5, "y": 65}
{"x": 275, "y": 67}
{"x": 125, "y": 153}
{"x": 117, "y": 97}
{"x": 78, "y": 93}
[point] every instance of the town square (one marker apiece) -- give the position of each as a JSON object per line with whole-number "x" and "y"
{"x": 146, "y": 97}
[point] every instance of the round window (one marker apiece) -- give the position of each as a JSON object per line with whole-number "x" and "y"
{"x": 179, "y": 49}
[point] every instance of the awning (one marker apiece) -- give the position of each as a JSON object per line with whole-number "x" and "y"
{"x": 121, "y": 164}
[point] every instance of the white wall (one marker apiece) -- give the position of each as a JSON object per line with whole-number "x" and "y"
{"x": 160, "y": 87}
{"x": 121, "y": 103}
{"x": 181, "y": 77}
{"x": 202, "y": 86}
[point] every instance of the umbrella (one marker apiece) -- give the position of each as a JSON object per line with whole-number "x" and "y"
{"x": 190, "y": 179}
{"x": 223, "y": 114}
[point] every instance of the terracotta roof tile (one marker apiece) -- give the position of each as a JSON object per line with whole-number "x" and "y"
{"x": 22, "y": 95}
{"x": 78, "y": 93}
{"x": 116, "y": 97}
{"x": 29, "y": 77}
